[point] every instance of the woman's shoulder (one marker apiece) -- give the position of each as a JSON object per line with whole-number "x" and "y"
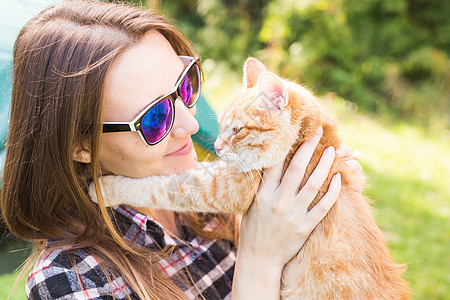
{"x": 71, "y": 274}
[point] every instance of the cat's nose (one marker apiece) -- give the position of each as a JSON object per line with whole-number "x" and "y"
{"x": 217, "y": 148}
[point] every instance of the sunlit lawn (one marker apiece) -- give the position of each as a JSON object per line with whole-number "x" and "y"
{"x": 408, "y": 171}
{"x": 409, "y": 175}
{"x": 6, "y": 284}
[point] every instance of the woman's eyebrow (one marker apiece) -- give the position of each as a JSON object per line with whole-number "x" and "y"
{"x": 176, "y": 81}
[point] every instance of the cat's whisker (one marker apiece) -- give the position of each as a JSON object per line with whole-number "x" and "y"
{"x": 245, "y": 162}
{"x": 237, "y": 160}
{"x": 241, "y": 162}
{"x": 249, "y": 162}
{"x": 267, "y": 178}
{"x": 211, "y": 117}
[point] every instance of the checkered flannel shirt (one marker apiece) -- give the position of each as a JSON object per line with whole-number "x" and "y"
{"x": 209, "y": 262}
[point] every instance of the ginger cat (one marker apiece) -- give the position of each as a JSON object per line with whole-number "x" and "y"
{"x": 346, "y": 256}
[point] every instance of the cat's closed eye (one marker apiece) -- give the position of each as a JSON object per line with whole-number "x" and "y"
{"x": 236, "y": 130}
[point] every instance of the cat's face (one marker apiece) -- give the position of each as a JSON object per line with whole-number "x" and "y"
{"x": 255, "y": 129}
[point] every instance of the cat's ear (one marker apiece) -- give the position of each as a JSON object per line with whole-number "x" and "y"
{"x": 252, "y": 69}
{"x": 272, "y": 88}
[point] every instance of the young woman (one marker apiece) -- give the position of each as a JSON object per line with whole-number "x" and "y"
{"x": 82, "y": 63}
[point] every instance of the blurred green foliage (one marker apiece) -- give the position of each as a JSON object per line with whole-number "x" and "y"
{"x": 387, "y": 56}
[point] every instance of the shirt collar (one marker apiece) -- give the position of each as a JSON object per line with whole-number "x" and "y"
{"x": 148, "y": 225}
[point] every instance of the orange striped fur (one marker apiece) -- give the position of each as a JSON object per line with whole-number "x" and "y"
{"x": 346, "y": 256}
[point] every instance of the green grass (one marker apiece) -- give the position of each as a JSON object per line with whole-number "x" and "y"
{"x": 6, "y": 284}
{"x": 408, "y": 171}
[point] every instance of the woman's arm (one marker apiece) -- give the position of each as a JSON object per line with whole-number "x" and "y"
{"x": 278, "y": 222}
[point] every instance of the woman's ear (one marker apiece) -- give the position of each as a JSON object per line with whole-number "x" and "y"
{"x": 82, "y": 152}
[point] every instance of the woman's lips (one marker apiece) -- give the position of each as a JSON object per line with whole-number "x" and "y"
{"x": 186, "y": 149}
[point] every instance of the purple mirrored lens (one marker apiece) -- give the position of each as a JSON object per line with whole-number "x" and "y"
{"x": 157, "y": 121}
{"x": 189, "y": 87}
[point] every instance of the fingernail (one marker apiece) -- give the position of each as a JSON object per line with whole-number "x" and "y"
{"x": 337, "y": 177}
{"x": 330, "y": 151}
{"x": 319, "y": 131}
{"x": 353, "y": 164}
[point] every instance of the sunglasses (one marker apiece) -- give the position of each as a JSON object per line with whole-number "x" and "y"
{"x": 156, "y": 120}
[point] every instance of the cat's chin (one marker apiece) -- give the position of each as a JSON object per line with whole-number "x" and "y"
{"x": 250, "y": 167}
{"x": 245, "y": 169}
{"x": 247, "y": 161}
{"x": 240, "y": 167}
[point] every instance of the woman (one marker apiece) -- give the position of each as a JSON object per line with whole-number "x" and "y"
{"x": 83, "y": 63}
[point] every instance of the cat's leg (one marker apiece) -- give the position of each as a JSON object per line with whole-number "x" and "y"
{"x": 345, "y": 257}
{"x": 210, "y": 187}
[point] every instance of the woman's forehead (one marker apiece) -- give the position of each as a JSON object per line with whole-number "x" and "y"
{"x": 140, "y": 75}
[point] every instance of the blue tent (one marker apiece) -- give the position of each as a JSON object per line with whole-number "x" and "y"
{"x": 13, "y": 16}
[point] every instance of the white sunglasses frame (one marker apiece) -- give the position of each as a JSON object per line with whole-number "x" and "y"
{"x": 135, "y": 124}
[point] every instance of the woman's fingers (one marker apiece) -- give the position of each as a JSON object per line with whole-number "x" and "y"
{"x": 344, "y": 151}
{"x": 317, "y": 178}
{"x": 353, "y": 165}
{"x": 281, "y": 213}
{"x": 294, "y": 173}
{"x": 319, "y": 211}
{"x": 351, "y": 157}
{"x": 271, "y": 178}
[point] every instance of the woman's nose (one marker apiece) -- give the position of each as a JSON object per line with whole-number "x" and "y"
{"x": 185, "y": 123}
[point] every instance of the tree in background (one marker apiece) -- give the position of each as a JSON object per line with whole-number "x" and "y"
{"x": 384, "y": 55}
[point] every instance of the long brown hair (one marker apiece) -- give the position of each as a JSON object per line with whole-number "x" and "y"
{"x": 61, "y": 59}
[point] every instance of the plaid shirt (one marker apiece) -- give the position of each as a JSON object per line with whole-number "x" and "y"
{"x": 209, "y": 262}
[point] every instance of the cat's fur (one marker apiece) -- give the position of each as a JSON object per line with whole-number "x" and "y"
{"x": 346, "y": 256}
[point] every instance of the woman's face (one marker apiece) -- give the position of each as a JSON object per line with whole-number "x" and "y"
{"x": 138, "y": 77}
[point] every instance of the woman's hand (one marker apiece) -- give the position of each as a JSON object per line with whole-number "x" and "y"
{"x": 278, "y": 223}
